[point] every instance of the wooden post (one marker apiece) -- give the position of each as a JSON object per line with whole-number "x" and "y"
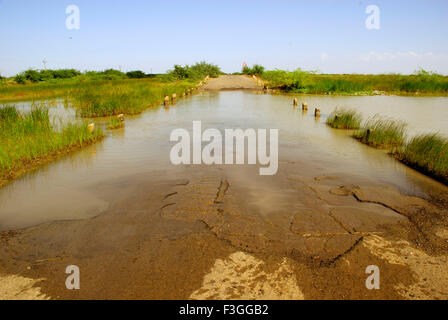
{"x": 166, "y": 101}
{"x": 294, "y": 102}
{"x": 91, "y": 127}
{"x": 304, "y": 106}
{"x": 317, "y": 113}
{"x": 173, "y": 98}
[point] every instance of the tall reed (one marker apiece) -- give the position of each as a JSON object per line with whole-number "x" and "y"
{"x": 342, "y": 118}
{"x": 381, "y": 132}
{"x": 428, "y": 153}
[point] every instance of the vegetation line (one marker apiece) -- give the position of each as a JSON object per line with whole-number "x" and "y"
{"x": 31, "y": 139}
{"x": 309, "y": 82}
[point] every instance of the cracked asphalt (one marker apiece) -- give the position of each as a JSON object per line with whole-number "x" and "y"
{"x": 291, "y": 236}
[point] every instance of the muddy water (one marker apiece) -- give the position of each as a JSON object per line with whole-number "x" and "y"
{"x": 88, "y": 182}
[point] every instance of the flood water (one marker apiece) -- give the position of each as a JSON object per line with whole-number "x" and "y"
{"x": 86, "y": 183}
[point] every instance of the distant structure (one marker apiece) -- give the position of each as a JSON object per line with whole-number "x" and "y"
{"x": 244, "y": 64}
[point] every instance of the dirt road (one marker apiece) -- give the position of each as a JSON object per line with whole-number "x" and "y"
{"x": 231, "y": 82}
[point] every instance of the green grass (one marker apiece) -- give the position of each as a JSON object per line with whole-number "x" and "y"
{"x": 422, "y": 82}
{"x": 115, "y": 123}
{"x": 427, "y": 153}
{"x": 10, "y": 91}
{"x": 49, "y": 89}
{"x": 27, "y": 139}
{"x": 342, "y": 118}
{"x": 123, "y": 98}
{"x": 384, "y": 133}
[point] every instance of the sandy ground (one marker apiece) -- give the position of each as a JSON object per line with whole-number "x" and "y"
{"x": 213, "y": 233}
{"x": 232, "y": 82}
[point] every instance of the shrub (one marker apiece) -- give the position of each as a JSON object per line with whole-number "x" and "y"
{"x": 195, "y": 72}
{"x": 135, "y": 74}
{"x": 45, "y": 75}
{"x": 256, "y": 70}
{"x": 20, "y": 79}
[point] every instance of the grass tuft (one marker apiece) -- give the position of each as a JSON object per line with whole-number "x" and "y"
{"x": 427, "y": 153}
{"x": 342, "y": 118}
{"x": 30, "y": 138}
{"x": 384, "y": 133}
{"x": 115, "y": 123}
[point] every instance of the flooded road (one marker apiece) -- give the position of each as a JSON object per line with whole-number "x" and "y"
{"x": 140, "y": 227}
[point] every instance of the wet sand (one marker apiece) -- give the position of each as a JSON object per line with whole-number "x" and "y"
{"x": 224, "y": 232}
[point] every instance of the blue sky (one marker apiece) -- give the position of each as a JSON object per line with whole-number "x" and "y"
{"x": 329, "y": 36}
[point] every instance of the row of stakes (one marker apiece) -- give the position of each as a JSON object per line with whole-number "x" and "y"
{"x": 173, "y": 98}
{"x": 305, "y": 107}
{"x": 167, "y": 100}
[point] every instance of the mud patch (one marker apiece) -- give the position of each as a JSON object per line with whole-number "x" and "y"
{"x": 241, "y": 276}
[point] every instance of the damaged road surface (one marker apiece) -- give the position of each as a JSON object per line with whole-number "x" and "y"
{"x": 214, "y": 235}
{"x": 138, "y": 227}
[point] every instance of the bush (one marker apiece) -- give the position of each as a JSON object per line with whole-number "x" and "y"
{"x": 112, "y": 74}
{"x": 45, "y": 75}
{"x": 136, "y": 74}
{"x": 20, "y": 79}
{"x": 256, "y": 70}
{"x": 295, "y": 81}
{"x": 32, "y": 75}
{"x": 109, "y": 74}
{"x": 64, "y": 73}
{"x": 195, "y": 72}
